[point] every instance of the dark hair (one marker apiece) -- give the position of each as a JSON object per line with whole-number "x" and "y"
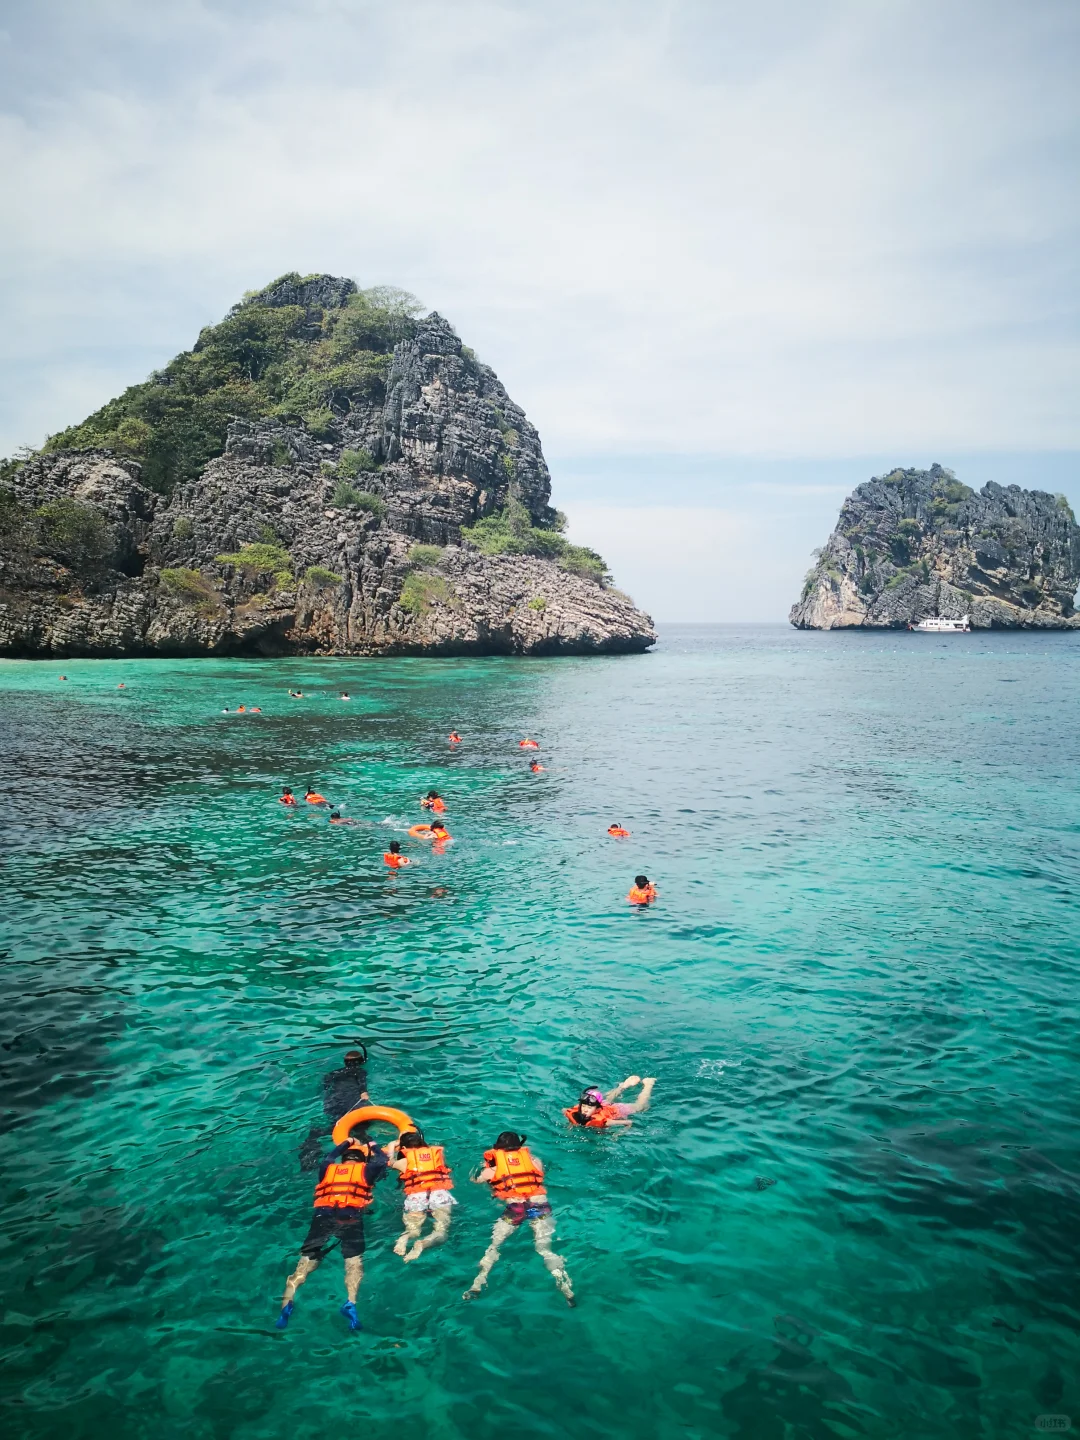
{"x": 433, "y": 794}
{"x": 335, "y": 814}
{"x": 395, "y": 847}
{"x": 509, "y": 1140}
{"x": 410, "y": 1139}
{"x": 640, "y": 880}
{"x": 355, "y": 1057}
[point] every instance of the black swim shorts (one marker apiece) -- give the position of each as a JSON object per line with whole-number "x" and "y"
{"x": 329, "y": 1224}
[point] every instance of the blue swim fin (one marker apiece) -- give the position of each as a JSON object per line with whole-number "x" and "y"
{"x": 349, "y": 1311}
{"x": 283, "y": 1319}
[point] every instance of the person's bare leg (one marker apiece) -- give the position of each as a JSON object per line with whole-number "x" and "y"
{"x": 642, "y": 1101}
{"x": 354, "y": 1273}
{"x": 502, "y": 1230}
{"x": 440, "y": 1224}
{"x": 543, "y": 1232}
{"x": 303, "y": 1269}
{"x": 414, "y": 1223}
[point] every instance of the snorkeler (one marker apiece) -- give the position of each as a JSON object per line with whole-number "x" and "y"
{"x": 426, "y": 1179}
{"x": 597, "y": 1111}
{"x": 314, "y": 798}
{"x": 528, "y": 745}
{"x": 433, "y": 801}
{"x": 535, "y": 767}
{"x": 517, "y": 1177}
{"x": 393, "y": 857}
{"x": 642, "y": 892}
{"x": 287, "y": 798}
{"x": 344, "y": 695}
{"x": 342, "y": 1090}
{"x": 454, "y": 738}
{"x": 618, "y": 830}
{"x": 344, "y": 1191}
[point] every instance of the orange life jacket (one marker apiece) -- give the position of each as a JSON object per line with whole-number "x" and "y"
{"x": 598, "y": 1119}
{"x": 617, "y": 830}
{"x": 455, "y": 738}
{"x": 395, "y": 861}
{"x": 642, "y": 897}
{"x": 425, "y": 1169}
{"x": 314, "y": 798}
{"x": 517, "y": 1174}
{"x": 343, "y": 1187}
{"x": 288, "y": 799}
{"x": 437, "y": 805}
{"x": 528, "y": 745}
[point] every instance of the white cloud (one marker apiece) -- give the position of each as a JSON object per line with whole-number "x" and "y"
{"x": 685, "y": 227}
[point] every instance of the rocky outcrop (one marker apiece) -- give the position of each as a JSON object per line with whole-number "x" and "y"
{"x": 346, "y": 538}
{"x": 917, "y": 543}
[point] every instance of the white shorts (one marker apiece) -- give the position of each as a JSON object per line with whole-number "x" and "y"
{"x": 428, "y": 1200}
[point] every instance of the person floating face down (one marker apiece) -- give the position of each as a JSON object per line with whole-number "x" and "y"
{"x": 597, "y": 1111}
{"x": 344, "y": 1190}
{"x": 313, "y": 797}
{"x": 642, "y": 892}
{"x": 516, "y": 1178}
{"x": 342, "y": 1090}
{"x": 427, "y": 1181}
{"x": 434, "y": 801}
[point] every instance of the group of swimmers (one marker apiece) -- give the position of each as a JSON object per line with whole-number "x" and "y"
{"x": 515, "y": 1175}
{"x": 642, "y": 893}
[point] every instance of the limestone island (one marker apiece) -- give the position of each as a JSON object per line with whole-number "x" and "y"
{"x": 326, "y": 472}
{"x": 917, "y": 544}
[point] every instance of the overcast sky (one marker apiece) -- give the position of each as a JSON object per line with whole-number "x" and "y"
{"x": 732, "y": 258}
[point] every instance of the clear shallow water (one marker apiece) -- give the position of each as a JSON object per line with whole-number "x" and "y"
{"x": 861, "y": 983}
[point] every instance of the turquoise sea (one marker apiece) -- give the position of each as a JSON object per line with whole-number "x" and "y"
{"x": 860, "y": 984}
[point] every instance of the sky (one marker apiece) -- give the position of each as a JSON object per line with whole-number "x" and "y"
{"x": 731, "y": 258}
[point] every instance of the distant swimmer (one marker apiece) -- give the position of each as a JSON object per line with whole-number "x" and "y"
{"x": 528, "y": 745}
{"x": 63, "y": 677}
{"x": 454, "y": 738}
{"x": 297, "y": 694}
{"x": 314, "y": 798}
{"x": 426, "y": 1179}
{"x": 335, "y": 818}
{"x": 344, "y": 1191}
{"x": 344, "y": 695}
{"x": 393, "y": 856}
{"x": 536, "y": 767}
{"x": 287, "y": 798}
{"x": 516, "y": 1177}
{"x": 255, "y": 710}
{"x": 121, "y": 686}
{"x": 241, "y": 709}
{"x": 435, "y": 831}
{"x": 434, "y": 801}
{"x": 642, "y": 892}
{"x": 619, "y": 831}
{"x": 596, "y": 1111}
{"x": 225, "y": 710}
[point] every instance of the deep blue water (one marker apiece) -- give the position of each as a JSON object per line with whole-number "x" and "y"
{"x": 860, "y": 983}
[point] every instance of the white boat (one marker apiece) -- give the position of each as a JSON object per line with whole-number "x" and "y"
{"x": 939, "y": 625}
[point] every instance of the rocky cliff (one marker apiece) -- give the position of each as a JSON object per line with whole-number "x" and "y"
{"x": 917, "y": 543}
{"x": 323, "y": 473}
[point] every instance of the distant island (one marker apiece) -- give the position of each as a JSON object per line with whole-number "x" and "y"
{"x": 325, "y": 472}
{"x": 917, "y": 543}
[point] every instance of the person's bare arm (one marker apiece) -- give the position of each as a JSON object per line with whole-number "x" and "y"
{"x": 485, "y": 1176}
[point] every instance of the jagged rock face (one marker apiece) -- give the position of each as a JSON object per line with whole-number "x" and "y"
{"x": 917, "y": 543}
{"x": 450, "y": 448}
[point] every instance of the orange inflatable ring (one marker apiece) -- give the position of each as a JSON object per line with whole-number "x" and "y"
{"x": 371, "y": 1112}
{"x": 424, "y": 830}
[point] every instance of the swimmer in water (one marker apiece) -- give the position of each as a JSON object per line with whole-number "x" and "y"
{"x": 439, "y": 832}
{"x": 426, "y": 1179}
{"x": 63, "y": 677}
{"x": 344, "y": 1191}
{"x": 297, "y": 694}
{"x": 335, "y": 818}
{"x": 642, "y": 892}
{"x": 255, "y": 710}
{"x": 121, "y": 686}
{"x": 528, "y": 745}
{"x": 344, "y": 695}
{"x": 393, "y": 857}
{"x": 314, "y": 798}
{"x": 516, "y": 1177}
{"x": 536, "y": 767}
{"x": 454, "y": 737}
{"x": 287, "y": 798}
{"x": 596, "y": 1111}
{"x": 241, "y": 709}
{"x": 433, "y": 801}
{"x": 618, "y": 830}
